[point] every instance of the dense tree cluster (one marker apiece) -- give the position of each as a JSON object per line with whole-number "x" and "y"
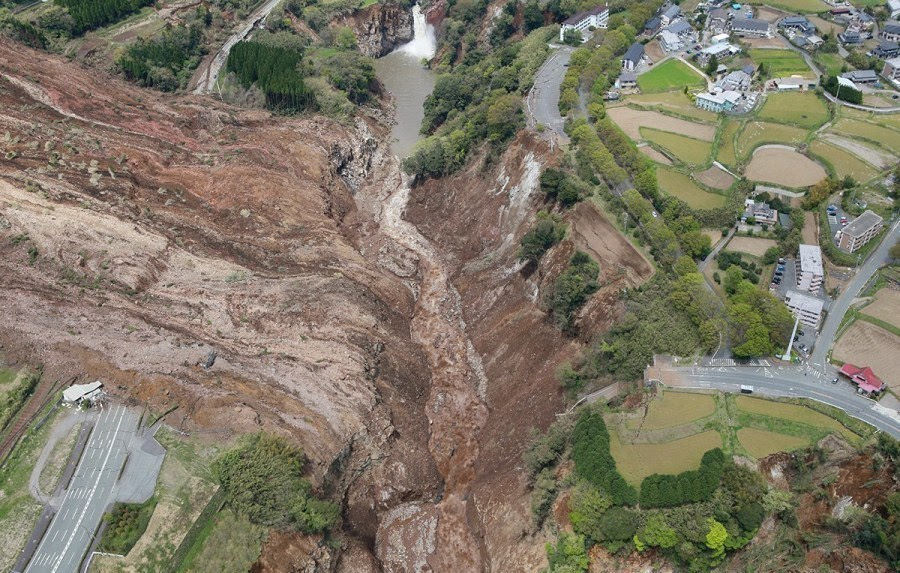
{"x": 687, "y": 487}
{"x": 92, "y": 14}
{"x": 593, "y": 461}
{"x": 165, "y": 61}
{"x": 548, "y": 231}
{"x": 572, "y": 288}
{"x": 262, "y": 477}
{"x": 24, "y": 32}
{"x": 274, "y": 71}
{"x": 845, "y": 93}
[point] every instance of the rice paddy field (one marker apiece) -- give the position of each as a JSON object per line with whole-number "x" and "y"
{"x": 674, "y": 409}
{"x": 883, "y": 136}
{"x": 781, "y": 63}
{"x": 843, "y": 162}
{"x": 637, "y": 461}
{"x": 804, "y": 109}
{"x": 762, "y": 443}
{"x": 683, "y": 187}
{"x": 675, "y": 102}
{"x": 757, "y": 133}
{"x": 686, "y": 149}
{"x": 725, "y": 153}
{"x": 670, "y": 75}
{"x": 793, "y": 413}
{"x": 784, "y": 166}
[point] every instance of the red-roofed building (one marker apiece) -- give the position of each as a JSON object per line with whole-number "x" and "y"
{"x": 863, "y": 377}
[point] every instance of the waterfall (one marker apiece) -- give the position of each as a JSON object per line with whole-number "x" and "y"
{"x": 423, "y": 44}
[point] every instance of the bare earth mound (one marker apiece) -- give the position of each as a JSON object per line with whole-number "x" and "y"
{"x": 631, "y": 120}
{"x": 593, "y": 233}
{"x": 715, "y": 178}
{"x": 868, "y": 345}
{"x": 655, "y": 155}
{"x": 784, "y": 166}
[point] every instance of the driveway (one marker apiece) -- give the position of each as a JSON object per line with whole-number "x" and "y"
{"x": 542, "y": 103}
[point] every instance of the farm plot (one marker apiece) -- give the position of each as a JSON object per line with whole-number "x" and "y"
{"x": 870, "y": 345}
{"x": 882, "y": 136}
{"x": 676, "y": 101}
{"x": 681, "y": 186}
{"x": 793, "y": 413}
{"x": 715, "y": 178}
{"x": 674, "y": 409}
{"x": 825, "y": 26}
{"x": 886, "y": 306}
{"x": 757, "y": 133}
{"x": 631, "y": 120}
{"x": 804, "y": 109}
{"x": 783, "y": 166}
{"x": 761, "y": 443}
{"x": 803, "y": 6}
{"x": 726, "y": 153}
{"x": 637, "y": 461}
{"x": 781, "y": 62}
{"x": 880, "y": 158}
{"x": 843, "y": 162}
{"x": 686, "y": 149}
{"x": 655, "y": 155}
{"x": 751, "y": 245}
{"x": 670, "y": 75}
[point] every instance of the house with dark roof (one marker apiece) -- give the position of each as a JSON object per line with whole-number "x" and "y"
{"x": 597, "y": 17}
{"x": 750, "y": 27}
{"x": 864, "y": 378}
{"x": 798, "y": 24}
{"x": 861, "y": 76}
{"x": 850, "y": 37}
{"x": 890, "y": 32}
{"x": 652, "y": 26}
{"x": 886, "y": 50}
{"x": 626, "y": 80}
{"x": 680, "y": 28}
{"x": 670, "y": 14}
{"x": 633, "y": 57}
{"x": 718, "y": 20}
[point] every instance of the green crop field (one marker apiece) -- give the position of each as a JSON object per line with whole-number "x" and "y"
{"x": 883, "y": 136}
{"x": 725, "y": 153}
{"x": 674, "y": 409}
{"x": 844, "y": 162}
{"x": 761, "y": 443}
{"x": 683, "y": 187}
{"x": 670, "y": 75}
{"x": 832, "y": 63}
{"x": 676, "y": 102}
{"x": 637, "y": 461}
{"x": 793, "y": 413}
{"x": 805, "y": 109}
{"x": 686, "y": 149}
{"x": 757, "y": 133}
{"x": 781, "y": 62}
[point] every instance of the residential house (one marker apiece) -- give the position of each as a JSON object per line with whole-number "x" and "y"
{"x": 891, "y": 32}
{"x": 841, "y": 10}
{"x": 893, "y": 7}
{"x": 814, "y": 41}
{"x": 799, "y": 24}
{"x": 719, "y": 51}
{"x": 681, "y": 28}
{"x": 669, "y": 15}
{"x": 717, "y": 103}
{"x": 670, "y": 42}
{"x": 886, "y": 50}
{"x": 626, "y": 80}
{"x": 738, "y": 81}
{"x": 861, "y": 76}
{"x": 652, "y": 26}
{"x": 860, "y": 231}
{"x": 750, "y": 27}
{"x": 595, "y": 18}
{"x": 850, "y": 37}
{"x": 864, "y": 378}
{"x": 810, "y": 271}
{"x": 633, "y": 57}
{"x": 719, "y": 38}
{"x": 808, "y": 309}
{"x": 759, "y": 212}
{"x": 865, "y": 21}
{"x": 717, "y": 22}
{"x": 892, "y": 69}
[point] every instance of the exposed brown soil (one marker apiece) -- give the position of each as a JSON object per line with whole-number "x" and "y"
{"x": 866, "y": 344}
{"x": 715, "y": 177}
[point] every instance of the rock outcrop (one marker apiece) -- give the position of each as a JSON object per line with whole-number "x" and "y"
{"x": 379, "y": 28}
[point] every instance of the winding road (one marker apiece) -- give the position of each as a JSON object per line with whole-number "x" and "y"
{"x": 542, "y": 101}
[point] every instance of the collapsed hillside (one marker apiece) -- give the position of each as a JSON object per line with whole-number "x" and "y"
{"x": 141, "y": 232}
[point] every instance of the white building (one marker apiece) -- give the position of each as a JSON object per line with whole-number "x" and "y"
{"x": 893, "y": 7}
{"x": 810, "y": 272}
{"x": 805, "y": 307}
{"x": 670, "y": 42}
{"x": 716, "y": 103}
{"x": 596, "y": 18}
{"x": 892, "y": 68}
{"x": 78, "y": 392}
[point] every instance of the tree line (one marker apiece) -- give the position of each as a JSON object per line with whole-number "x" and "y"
{"x": 666, "y": 490}
{"x": 93, "y": 14}
{"x": 273, "y": 70}
{"x": 166, "y": 61}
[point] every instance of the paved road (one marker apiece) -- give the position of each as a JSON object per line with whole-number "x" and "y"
{"x": 206, "y": 76}
{"x": 789, "y": 381}
{"x": 840, "y": 306}
{"x": 91, "y": 490}
{"x": 542, "y": 102}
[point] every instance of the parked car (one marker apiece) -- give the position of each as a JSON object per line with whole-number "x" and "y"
{"x": 800, "y": 333}
{"x": 835, "y": 381}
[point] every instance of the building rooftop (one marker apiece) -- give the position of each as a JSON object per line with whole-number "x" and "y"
{"x": 679, "y": 27}
{"x": 627, "y": 77}
{"x": 635, "y": 52}
{"x": 652, "y": 24}
{"x": 804, "y": 302}
{"x": 861, "y": 224}
{"x": 572, "y": 20}
{"x": 726, "y": 96}
{"x": 811, "y": 259}
{"x": 77, "y": 392}
{"x": 863, "y": 377}
{"x": 891, "y": 28}
{"x": 894, "y": 62}
{"x": 672, "y": 11}
{"x": 750, "y": 24}
{"x": 861, "y": 75}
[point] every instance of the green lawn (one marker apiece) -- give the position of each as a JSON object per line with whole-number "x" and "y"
{"x": 882, "y": 136}
{"x": 757, "y": 133}
{"x": 673, "y": 409}
{"x": 670, "y": 75}
{"x": 781, "y": 62}
{"x": 844, "y": 162}
{"x": 804, "y": 109}
{"x": 793, "y": 413}
{"x": 686, "y": 149}
{"x": 831, "y": 62}
{"x": 725, "y": 154}
{"x": 683, "y": 187}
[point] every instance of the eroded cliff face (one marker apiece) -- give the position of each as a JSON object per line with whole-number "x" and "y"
{"x": 379, "y": 28}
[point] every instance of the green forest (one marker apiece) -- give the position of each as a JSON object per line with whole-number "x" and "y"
{"x": 92, "y": 14}
{"x": 273, "y": 70}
